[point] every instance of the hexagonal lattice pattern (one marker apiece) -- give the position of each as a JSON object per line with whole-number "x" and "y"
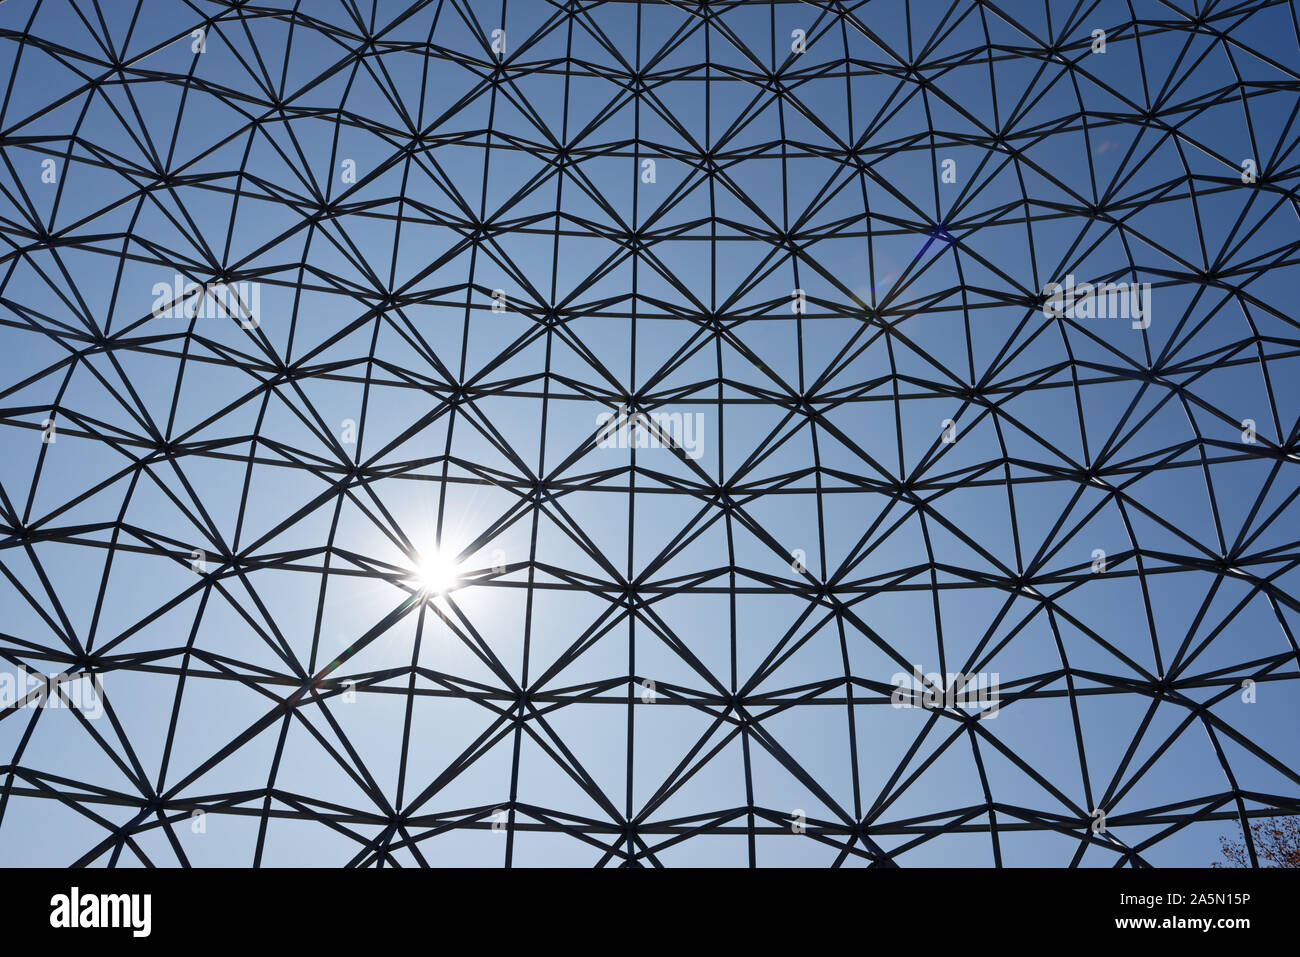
{"x": 554, "y": 432}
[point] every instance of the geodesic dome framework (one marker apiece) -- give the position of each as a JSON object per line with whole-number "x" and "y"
{"x": 611, "y": 432}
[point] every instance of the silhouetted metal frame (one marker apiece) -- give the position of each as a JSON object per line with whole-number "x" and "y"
{"x": 733, "y": 705}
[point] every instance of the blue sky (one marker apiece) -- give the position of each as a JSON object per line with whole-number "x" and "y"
{"x": 899, "y": 325}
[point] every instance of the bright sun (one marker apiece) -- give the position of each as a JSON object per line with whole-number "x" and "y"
{"x": 436, "y": 573}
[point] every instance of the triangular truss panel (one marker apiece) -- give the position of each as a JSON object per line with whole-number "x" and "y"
{"x": 597, "y": 433}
